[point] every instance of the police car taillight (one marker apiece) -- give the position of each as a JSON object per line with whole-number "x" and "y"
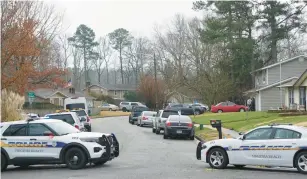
{"x": 88, "y": 119}
{"x": 76, "y": 126}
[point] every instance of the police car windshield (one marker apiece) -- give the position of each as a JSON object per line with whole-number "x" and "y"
{"x": 63, "y": 128}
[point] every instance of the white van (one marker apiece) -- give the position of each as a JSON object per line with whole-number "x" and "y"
{"x": 76, "y": 103}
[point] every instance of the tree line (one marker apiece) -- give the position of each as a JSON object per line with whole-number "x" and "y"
{"x": 210, "y": 58}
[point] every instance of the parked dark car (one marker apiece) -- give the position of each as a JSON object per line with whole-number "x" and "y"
{"x": 178, "y": 125}
{"x": 182, "y": 108}
{"x": 136, "y": 112}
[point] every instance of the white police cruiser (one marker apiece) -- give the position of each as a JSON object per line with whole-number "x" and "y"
{"x": 31, "y": 142}
{"x": 280, "y": 145}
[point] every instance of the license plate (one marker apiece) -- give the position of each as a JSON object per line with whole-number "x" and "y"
{"x": 179, "y": 131}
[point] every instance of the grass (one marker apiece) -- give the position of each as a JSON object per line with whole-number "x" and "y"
{"x": 238, "y": 121}
{"x": 111, "y": 114}
{"x": 208, "y": 134}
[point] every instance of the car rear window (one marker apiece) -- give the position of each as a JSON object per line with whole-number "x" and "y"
{"x": 180, "y": 118}
{"x": 147, "y": 113}
{"x": 124, "y": 103}
{"x": 64, "y": 117}
{"x": 75, "y": 106}
{"x": 80, "y": 113}
{"x": 166, "y": 114}
{"x": 140, "y": 109}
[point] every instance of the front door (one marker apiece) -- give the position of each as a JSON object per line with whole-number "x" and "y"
{"x": 302, "y": 95}
{"x": 44, "y": 146}
{"x": 252, "y": 148}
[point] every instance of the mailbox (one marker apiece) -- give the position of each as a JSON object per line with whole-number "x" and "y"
{"x": 216, "y": 123}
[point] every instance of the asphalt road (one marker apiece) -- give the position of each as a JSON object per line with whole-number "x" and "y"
{"x": 147, "y": 155}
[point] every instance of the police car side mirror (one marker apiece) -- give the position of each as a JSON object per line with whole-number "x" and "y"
{"x": 241, "y": 133}
{"x": 48, "y": 133}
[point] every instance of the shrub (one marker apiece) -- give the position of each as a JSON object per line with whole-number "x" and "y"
{"x": 101, "y": 97}
{"x": 11, "y": 106}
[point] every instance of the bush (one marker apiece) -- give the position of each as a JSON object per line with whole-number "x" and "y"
{"x": 105, "y": 98}
{"x": 38, "y": 105}
{"x": 11, "y": 106}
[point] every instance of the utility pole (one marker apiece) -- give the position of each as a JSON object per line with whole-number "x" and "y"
{"x": 156, "y": 93}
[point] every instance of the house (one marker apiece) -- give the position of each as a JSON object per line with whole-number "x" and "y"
{"x": 268, "y": 91}
{"x": 57, "y": 96}
{"x": 296, "y": 92}
{"x": 115, "y": 91}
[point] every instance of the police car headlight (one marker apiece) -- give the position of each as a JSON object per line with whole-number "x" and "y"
{"x": 89, "y": 139}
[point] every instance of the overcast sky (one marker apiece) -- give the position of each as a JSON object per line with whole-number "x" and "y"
{"x": 137, "y": 16}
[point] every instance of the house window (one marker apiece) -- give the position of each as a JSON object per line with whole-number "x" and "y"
{"x": 115, "y": 93}
{"x": 264, "y": 74}
{"x": 303, "y": 96}
{"x": 291, "y": 96}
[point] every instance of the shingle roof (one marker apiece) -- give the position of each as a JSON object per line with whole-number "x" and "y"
{"x": 47, "y": 92}
{"x": 281, "y": 62}
{"x": 125, "y": 87}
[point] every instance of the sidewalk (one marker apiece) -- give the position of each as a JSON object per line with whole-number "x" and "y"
{"x": 224, "y": 130}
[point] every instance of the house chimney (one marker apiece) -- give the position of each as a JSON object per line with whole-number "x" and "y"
{"x": 72, "y": 90}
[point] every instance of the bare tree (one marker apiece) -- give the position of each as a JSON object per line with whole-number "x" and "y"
{"x": 78, "y": 68}
{"x": 105, "y": 54}
{"x": 66, "y": 51}
{"x": 137, "y": 54}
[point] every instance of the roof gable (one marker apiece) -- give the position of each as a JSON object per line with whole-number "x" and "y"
{"x": 301, "y": 79}
{"x": 281, "y": 62}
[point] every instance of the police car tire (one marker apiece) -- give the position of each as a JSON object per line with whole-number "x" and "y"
{"x": 157, "y": 131}
{"x": 3, "y": 162}
{"x": 153, "y": 130}
{"x": 81, "y": 156}
{"x": 296, "y": 161}
{"x": 225, "y": 162}
{"x": 100, "y": 162}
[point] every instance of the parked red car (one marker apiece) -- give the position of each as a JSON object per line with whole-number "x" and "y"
{"x": 228, "y": 107}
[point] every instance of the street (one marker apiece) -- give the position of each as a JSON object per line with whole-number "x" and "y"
{"x": 147, "y": 155}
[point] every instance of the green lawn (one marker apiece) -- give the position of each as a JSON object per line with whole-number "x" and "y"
{"x": 208, "y": 134}
{"x": 238, "y": 121}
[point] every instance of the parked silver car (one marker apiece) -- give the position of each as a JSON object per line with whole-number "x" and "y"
{"x": 158, "y": 122}
{"x": 127, "y": 106}
{"x": 146, "y": 118}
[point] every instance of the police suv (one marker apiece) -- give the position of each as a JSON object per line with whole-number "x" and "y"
{"x": 31, "y": 142}
{"x": 277, "y": 145}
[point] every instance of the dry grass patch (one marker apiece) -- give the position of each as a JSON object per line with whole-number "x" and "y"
{"x": 111, "y": 114}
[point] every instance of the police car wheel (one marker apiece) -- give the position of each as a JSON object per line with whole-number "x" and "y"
{"x": 75, "y": 158}
{"x": 218, "y": 158}
{"x": 301, "y": 162}
{"x": 3, "y": 162}
{"x": 100, "y": 162}
{"x": 153, "y": 130}
{"x": 157, "y": 131}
